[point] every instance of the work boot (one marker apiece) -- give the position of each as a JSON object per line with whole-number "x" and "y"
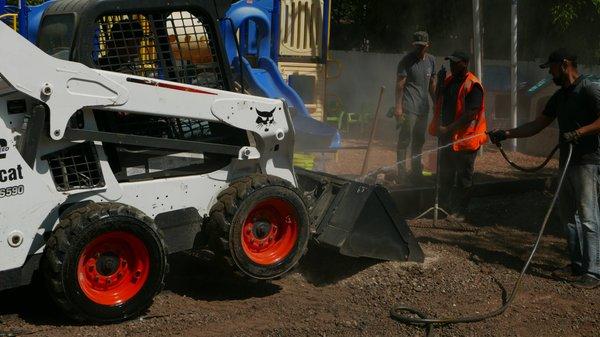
{"x": 586, "y": 281}
{"x": 567, "y": 273}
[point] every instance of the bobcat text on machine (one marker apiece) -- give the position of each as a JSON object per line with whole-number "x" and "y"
{"x": 121, "y": 141}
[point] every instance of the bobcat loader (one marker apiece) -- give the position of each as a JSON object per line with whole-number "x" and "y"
{"x": 103, "y": 173}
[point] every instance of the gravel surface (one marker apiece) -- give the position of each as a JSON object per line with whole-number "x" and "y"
{"x": 332, "y": 295}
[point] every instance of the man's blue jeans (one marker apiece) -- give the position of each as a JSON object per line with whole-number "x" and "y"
{"x": 579, "y": 211}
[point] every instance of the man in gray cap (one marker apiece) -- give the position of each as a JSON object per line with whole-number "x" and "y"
{"x": 414, "y": 84}
{"x": 576, "y": 106}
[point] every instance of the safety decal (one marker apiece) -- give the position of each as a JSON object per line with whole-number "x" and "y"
{"x": 167, "y": 85}
{"x": 265, "y": 119}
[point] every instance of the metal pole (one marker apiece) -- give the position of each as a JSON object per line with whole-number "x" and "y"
{"x": 372, "y": 135}
{"x": 477, "y": 50}
{"x": 436, "y": 192}
{"x": 325, "y": 34}
{"x": 513, "y": 73}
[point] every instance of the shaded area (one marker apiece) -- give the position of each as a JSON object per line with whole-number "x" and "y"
{"x": 323, "y": 266}
{"x": 505, "y": 230}
{"x": 31, "y": 304}
{"x": 204, "y": 280}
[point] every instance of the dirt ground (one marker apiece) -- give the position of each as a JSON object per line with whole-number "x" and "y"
{"x": 331, "y": 295}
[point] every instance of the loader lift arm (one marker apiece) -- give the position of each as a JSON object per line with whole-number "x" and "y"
{"x": 67, "y": 87}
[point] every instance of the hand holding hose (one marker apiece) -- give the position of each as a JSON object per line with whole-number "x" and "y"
{"x": 497, "y": 136}
{"x": 570, "y": 137}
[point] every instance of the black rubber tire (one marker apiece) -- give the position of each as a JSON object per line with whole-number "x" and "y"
{"x": 66, "y": 244}
{"x": 227, "y": 217}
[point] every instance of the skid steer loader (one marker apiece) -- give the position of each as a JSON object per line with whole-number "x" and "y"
{"x": 121, "y": 143}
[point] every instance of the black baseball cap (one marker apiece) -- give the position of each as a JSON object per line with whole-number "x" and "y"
{"x": 458, "y": 56}
{"x": 421, "y": 38}
{"x": 558, "y": 56}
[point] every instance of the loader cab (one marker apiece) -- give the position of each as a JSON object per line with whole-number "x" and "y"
{"x": 176, "y": 41}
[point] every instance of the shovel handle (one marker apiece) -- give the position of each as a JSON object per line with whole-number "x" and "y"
{"x": 363, "y": 171}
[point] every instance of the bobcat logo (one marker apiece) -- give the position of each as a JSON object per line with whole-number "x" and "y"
{"x": 3, "y": 148}
{"x": 265, "y": 118}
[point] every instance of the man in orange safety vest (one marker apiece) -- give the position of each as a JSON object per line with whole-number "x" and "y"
{"x": 459, "y": 119}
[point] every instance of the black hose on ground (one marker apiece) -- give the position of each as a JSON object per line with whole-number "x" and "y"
{"x": 406, "y": 314}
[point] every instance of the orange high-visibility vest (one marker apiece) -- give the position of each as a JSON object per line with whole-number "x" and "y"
{"x": 477, "y": 126}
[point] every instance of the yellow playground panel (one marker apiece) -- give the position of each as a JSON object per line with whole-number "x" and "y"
{"x": 300, "y": 51}
{"x": 301, "y": 28}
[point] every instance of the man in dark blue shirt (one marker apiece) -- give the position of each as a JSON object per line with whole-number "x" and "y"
{"x": 576, "y": 106}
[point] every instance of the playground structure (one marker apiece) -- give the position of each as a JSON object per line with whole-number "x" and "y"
{"x": 282, "y": 45}
{"x": 22, "y": 17}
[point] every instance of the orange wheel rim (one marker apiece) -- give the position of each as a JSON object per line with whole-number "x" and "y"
{"x": 113, "y": 268}
{"x": 270, "y": 232}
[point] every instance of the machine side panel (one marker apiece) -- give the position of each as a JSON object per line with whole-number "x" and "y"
{"x": 28, "y": 206}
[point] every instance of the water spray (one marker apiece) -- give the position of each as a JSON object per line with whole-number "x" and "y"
{"x": 394, "y": 165}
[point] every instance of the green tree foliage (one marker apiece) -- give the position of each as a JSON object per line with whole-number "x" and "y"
{"x": 544, "y": 25}
{"x": 576, "y": 23}
{"x": 566, "y": 13}
{"x": 387, "y": 25}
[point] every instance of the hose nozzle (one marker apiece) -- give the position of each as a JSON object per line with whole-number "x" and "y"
{"x": 497, "y": 136}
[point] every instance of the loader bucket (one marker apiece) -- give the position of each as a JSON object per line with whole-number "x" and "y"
{"x": 360, "y": 220}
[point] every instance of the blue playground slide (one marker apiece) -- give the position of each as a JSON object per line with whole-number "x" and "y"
{"x": 266, "y": 80}
{"x": 29, "y": 17}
